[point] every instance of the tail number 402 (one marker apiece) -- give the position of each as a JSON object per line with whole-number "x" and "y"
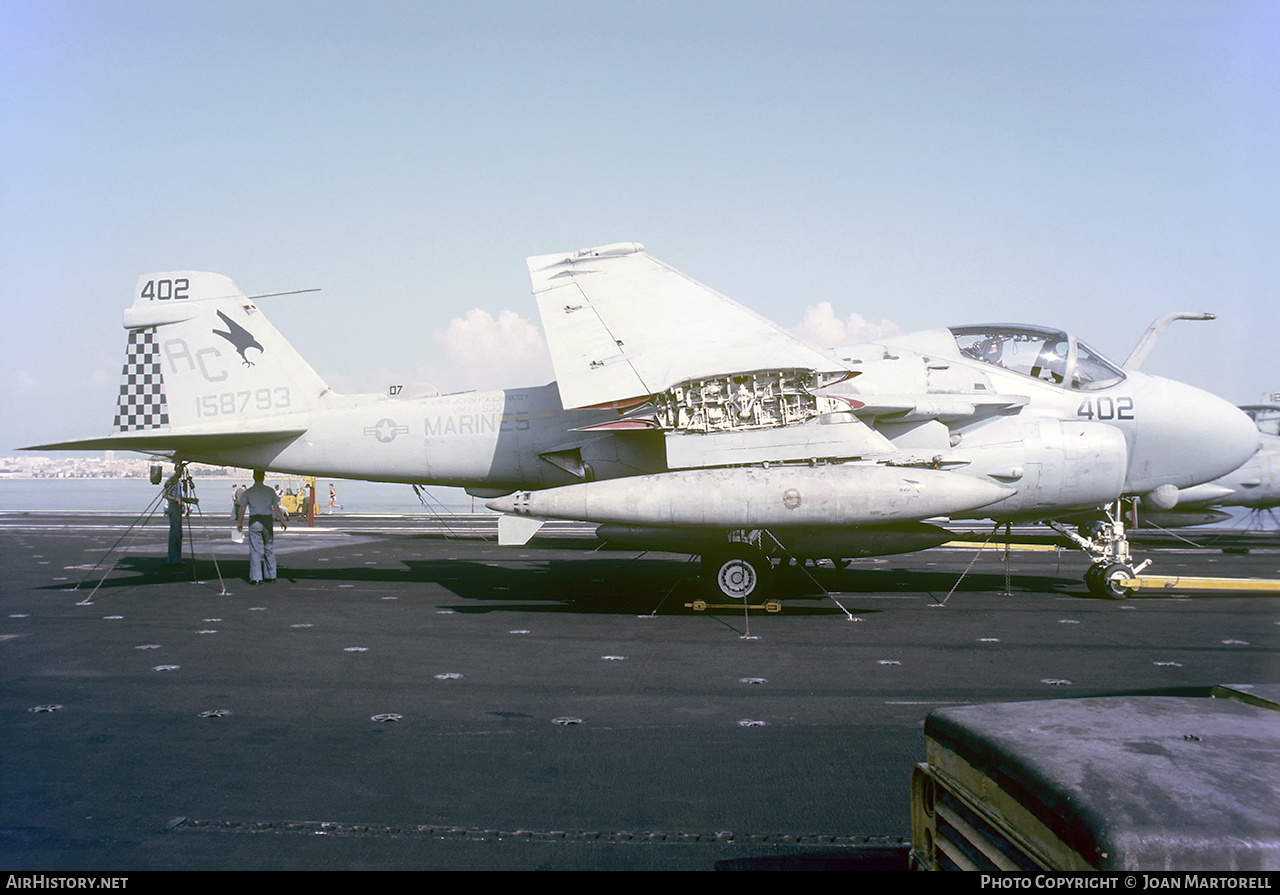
{"x": 1106, "y": 409}
{"x": 164, "y": 290}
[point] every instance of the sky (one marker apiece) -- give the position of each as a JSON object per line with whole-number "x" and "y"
{"x": 846, "y": 169}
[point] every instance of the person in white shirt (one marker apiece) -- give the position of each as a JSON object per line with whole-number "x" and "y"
{"x": 262, "y": 505}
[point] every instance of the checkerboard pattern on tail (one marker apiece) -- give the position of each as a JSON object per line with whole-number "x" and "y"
{"x": 142, "y": 400}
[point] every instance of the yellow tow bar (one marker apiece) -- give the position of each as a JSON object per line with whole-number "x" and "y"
{"x": 703, "y": 606}
{"x": 1018, "y": 548}
{"x": 1181, "y": 582}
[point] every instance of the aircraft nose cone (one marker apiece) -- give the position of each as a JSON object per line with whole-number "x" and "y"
{"x": 1223, "y": 437}
{"x": 1240, "y": 434}
{"x": 1184, "y": 436}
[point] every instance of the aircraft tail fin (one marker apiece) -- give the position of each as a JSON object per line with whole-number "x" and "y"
{"x": 201, "y": 356}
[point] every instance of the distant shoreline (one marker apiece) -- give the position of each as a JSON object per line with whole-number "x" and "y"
{"x": 72, "y": 492}
{"x": 28, "y": 477}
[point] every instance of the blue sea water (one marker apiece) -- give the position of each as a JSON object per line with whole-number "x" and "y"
{"x": 135, "y": 495}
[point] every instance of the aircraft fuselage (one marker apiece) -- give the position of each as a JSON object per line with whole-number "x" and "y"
{"x": 492, "y": 441}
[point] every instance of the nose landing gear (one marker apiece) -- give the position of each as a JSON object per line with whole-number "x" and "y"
{"x": 1108, "y": 545}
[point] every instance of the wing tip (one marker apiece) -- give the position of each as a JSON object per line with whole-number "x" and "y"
{"x": 612, "y": 250}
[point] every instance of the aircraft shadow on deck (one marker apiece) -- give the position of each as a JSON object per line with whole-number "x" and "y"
{"x": 590, "y": 584}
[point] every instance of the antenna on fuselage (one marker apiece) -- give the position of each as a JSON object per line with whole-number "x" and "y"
{"x": 273, "y": 294}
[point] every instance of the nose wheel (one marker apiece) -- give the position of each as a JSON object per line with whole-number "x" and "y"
{"x": 1104, "y": 580}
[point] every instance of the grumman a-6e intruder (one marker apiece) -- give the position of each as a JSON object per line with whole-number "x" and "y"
{"x": 683, "y": 421}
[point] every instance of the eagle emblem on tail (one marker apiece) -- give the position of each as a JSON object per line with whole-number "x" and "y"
{"x": 240, "y": 337}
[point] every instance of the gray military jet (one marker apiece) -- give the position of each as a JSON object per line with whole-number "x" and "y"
{"x": 776, "y": 448}
{"x": 685, "y": 421}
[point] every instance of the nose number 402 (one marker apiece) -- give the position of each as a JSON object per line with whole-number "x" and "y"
{"x": 1106, "y": 409}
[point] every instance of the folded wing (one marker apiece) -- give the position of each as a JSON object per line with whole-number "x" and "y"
{"x": 620, "y": 325}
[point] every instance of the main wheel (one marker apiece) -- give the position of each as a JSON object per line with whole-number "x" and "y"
{"x": 736, "y": 571}
{"x": 1104, "y": 580}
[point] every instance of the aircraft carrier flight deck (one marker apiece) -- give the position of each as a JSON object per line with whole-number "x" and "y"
{"x": 411, "y": 695}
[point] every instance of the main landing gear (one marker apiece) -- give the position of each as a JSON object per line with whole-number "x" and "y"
{"x": 1108, "y": 545}
{"x": 741, "y": 570}
{"x": 737, "y": 570}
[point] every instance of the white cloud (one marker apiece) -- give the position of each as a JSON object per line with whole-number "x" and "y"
{"x": 475, "y": 352}
{"x": 483, "y": 352}
{"x": 823, "y": 328}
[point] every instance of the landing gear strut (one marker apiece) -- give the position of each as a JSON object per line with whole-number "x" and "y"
{"x": 1108, "y": 545}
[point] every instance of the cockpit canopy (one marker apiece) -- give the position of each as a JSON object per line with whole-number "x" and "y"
{"x": 1045, "y": 354}
{"x": 1265, "y": 416}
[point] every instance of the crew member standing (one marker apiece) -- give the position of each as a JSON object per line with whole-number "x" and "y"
{"x": 175, "y": 509}
{"x": 262, "y": 505}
